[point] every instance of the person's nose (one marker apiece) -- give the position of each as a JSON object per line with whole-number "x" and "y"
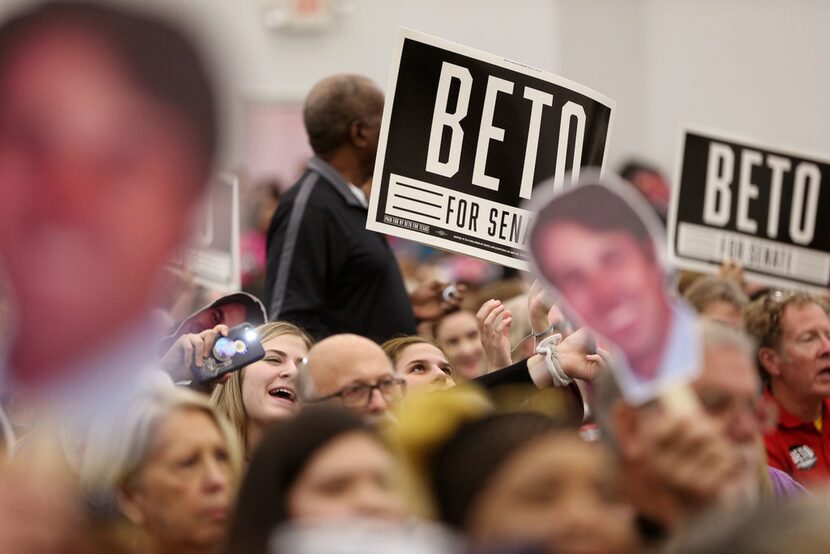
{"x": 824, "y": 348}
{"x": 71, "y": 186}
{"x": 289, "y": 370}
{"x": 603, "y": 289}
{"x": 216, "y": 476}
{"x": 468, "y": 347}
{"x": 579, "y": 515}
{"x": 373, "y": 501}
{"x": 440, "y": 379}
{"x": 743, "y": 426}
{"x": 377, "y": 403}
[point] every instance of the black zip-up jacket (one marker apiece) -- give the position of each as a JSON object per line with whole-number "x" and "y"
{"x": 325, "y": 271}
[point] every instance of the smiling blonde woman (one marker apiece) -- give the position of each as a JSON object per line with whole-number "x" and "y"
{"x": 265, "y": 391}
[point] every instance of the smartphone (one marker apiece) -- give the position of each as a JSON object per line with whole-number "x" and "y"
{"x": 450, "y": 292}
{"x": 240, "y": 348}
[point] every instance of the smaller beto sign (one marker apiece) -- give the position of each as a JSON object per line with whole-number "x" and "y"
{"x": 755, "y": 205}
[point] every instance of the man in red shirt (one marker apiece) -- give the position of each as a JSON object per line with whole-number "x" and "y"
{"x": 793, "y": 334}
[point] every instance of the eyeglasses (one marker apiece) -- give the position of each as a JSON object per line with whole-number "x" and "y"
{"x": 360, "y": 395}
{"x": 725, "y": 407}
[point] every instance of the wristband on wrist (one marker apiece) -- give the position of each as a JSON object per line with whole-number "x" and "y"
{"x": 547, "y": 348}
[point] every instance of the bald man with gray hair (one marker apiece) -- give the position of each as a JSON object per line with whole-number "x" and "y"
{"x": 325, "y": 271}
{"x": 353, "y": 371}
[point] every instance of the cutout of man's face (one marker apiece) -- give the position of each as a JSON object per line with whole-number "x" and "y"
{"x": 598, "y": 246}
{"x": 610, "y": 279}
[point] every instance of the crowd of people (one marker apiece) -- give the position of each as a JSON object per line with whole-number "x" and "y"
{"x": 382, "y": 416}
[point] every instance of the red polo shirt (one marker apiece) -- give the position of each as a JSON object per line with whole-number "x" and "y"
{"x": 797, "y": 447}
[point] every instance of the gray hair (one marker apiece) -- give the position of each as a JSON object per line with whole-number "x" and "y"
{"x": 710, "y": 289}
{"x": 334, "y": 104}
{"x": 119, "y": 446}
{"x": 715, "y": 333}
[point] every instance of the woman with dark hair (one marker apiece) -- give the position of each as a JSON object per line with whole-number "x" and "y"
{"x": 510, "y": 480}
{"x": 325, "y": 464}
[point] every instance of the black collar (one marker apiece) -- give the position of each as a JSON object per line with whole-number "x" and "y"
{"x": 324, "y": 169}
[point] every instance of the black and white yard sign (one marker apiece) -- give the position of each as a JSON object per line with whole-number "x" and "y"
{"x": 465, "y": 138}
{"x": 756, "y": 205}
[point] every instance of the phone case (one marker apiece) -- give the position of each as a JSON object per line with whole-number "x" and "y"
{"x": 240, "y": 348}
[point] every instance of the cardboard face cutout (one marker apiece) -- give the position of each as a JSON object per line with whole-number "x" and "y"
{"x": 600, "y": 248}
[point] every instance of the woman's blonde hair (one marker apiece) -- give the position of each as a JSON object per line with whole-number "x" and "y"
{"x": 118, "y": 447}
{"x": 227, "y": 397}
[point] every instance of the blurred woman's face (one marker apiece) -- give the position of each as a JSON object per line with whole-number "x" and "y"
{"x": 269, "y": 389}
{"x": 182, "y": 494}
{"x": 458, "y": 335}
{"x": 350, "y": 477}
{"x": 557, "y": 493}
{"x": 424, "y": 367}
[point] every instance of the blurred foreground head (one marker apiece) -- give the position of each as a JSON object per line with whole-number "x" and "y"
{"x": 510, "y": 481}
{"x": 108, "y": 129}
{"x": 680, "y": 461}
{"x": 324, "y": 466}
{"x": 167, "y": 463}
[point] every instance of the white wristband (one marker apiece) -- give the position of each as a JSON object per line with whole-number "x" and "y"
{"x": 547, "y": 348}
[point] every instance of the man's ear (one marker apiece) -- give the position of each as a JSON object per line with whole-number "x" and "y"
{"x": 357, "y": 134}
{"x": 770, "y": 360}
{"x": 129, "y": 500}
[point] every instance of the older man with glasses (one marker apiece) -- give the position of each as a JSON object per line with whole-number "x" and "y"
{"x": 353, "y": 371}
{"x": 793, "y": 335}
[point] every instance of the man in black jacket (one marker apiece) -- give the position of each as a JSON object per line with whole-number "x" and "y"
{"x": 325, "y": 271}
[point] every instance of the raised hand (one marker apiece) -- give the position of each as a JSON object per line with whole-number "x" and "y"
{"x": 494, "y": 321}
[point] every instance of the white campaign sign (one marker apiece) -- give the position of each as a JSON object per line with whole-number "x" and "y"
{"x": 755, "y": 205}
{"x": 465, "y": 138}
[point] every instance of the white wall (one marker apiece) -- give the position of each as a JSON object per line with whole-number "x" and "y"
{"x": 602, "y": 44}
{"x": 265, "y": 64}
{"x": 755, "y": 67}
{"x": 752, "y": 67}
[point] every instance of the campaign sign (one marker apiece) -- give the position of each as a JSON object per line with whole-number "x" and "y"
{"x": 752, "y": 204}
{"x": 465, "y": 138}
{"x": 212, "y": 253}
